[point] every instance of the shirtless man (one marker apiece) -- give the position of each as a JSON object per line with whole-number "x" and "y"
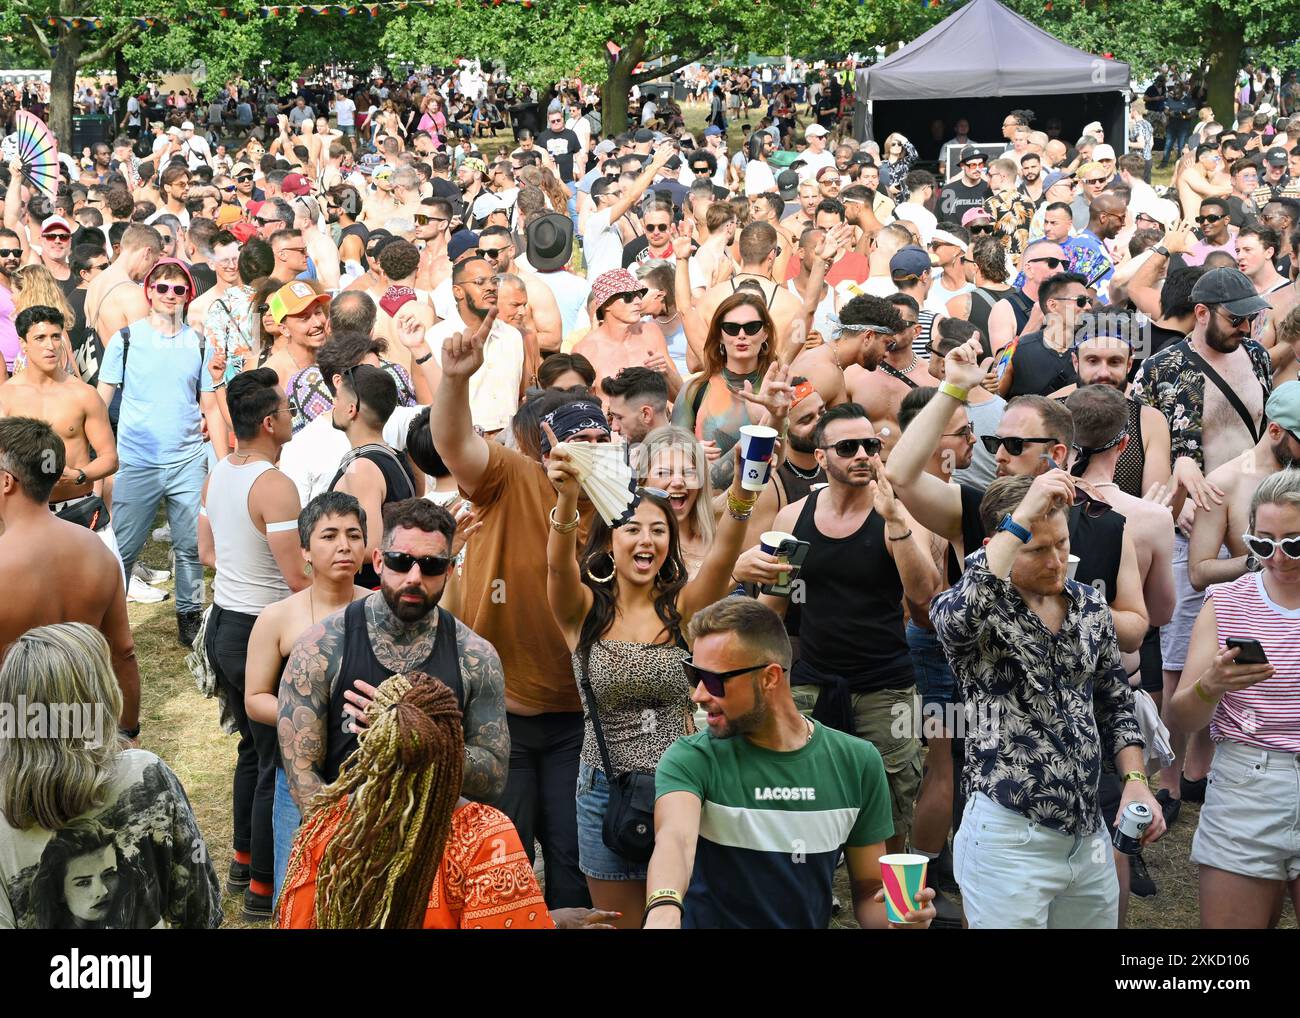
{"x": 115, "y": 298}
{"x": 79, "y": 579}
{"x": 43, "y": 390}
{"x": 302, "y": 317}
{"x": 758, "y": 255}
{"x": 620, "y": 339}
{"x": 1257, "y": 248}
{"x": 400, "y": 261}
{"x": 866, "y": 326}
{"x": 1202, "y": 179}
{"x": 1224, "y": 522}
{"x": 495, "y": 244}
{"x": 880, "y": 392}
{"x": 432, "y": 230}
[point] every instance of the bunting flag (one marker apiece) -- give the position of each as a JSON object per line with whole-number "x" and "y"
{"x": 371, "y": 10}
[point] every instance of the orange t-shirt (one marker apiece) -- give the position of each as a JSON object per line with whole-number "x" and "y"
{"x": 485, "y": 881}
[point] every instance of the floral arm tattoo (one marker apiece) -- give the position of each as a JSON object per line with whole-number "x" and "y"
{"x": 304, "y": 705}
{"x": 487, "y": 739}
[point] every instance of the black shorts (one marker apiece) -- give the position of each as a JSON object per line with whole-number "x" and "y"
{"x": 1153, "y": 680}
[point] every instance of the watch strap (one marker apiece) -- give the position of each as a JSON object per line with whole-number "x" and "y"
{"x": 1012, "y": 527}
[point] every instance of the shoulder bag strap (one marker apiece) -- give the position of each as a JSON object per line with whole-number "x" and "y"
{"x": 1233, "y": 399}
{"x": 585, "y": 681}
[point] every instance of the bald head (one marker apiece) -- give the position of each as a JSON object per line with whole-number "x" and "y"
{"x": 1106, "y": 217}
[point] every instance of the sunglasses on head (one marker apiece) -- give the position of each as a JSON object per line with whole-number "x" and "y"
{"x": 847, "y": 447}
{"x": 180, "y": 289}
{"x": 430, "y": 565}
{"x": 736, "y": 328}
{"x": 1051, "y": 263}
{"x": 714, "y": 682}
{"x": 1264, "y": 547}
{"x": 1015, "y": 446}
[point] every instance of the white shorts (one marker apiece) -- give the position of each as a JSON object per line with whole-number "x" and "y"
{"x": 1250, "y": 823}
{"x": 1176, "y": 634}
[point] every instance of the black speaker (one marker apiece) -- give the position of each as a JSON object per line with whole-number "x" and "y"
{"x": 89, "y": 131}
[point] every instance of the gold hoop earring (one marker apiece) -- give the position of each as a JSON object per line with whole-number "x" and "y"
{"x": 600, "y": 579}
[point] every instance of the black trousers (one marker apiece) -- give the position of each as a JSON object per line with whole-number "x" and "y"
{"x": 259, "y": 749}
{"x": 541, "y": 799}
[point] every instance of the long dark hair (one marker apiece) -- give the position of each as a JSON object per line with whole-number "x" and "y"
{"x": 604, "y": 595}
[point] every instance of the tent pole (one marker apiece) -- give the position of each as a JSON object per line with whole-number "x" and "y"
{"x": 1128, "y": 98}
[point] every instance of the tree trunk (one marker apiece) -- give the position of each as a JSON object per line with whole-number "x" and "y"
{"x": 614, "y": 93}
{"x": 63, "y": 84}
{"x": 122, "y": 71}
{"x": 1226, "y": 42}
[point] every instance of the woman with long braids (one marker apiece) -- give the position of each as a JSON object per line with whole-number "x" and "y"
{"x": 622, "y": 607}
{"x": 392, "y": 845}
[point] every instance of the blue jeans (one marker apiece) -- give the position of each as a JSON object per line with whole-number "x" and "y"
{"x": 1176, "y": 135}
{"x": 137, "y": 493}
{"x": 285, "y": 819}
{"x": 596, "y": 859}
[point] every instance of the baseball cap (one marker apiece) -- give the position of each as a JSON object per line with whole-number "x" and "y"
{"x": 1276, "y": 156}
{"x": 826, "y": 172}
{"x": 486, "y": 204}
{"x": 611, "y": 284}
{"x": 293, "y": 299}
{"x": 460, "y": 242}
{"x": 55, "y": 223}
{"x": 1283, "y": 407}
{"x": 228, "y": 215}
{"x": 550, "y": 241}
{"x": 910, "y": 261}
{"x": 382, "y": 172}
{"x": 980, "y": 215}
{"x": 240, "y": 168}
{"x": 815, "y": 131}
{"x": 244, "y": 232}
{"x": 175, "y": 130}
{"x": 712, "y": 131}
{"x": 971, "y": 152}
{"x": 474, "y": 164}
{"x": 642, "y": 136}
{"x": 297, "y": 184}
{"x": 606, "y": 147}
{"x": 1230, "y": 287}
{"x": 1100, "y": 152}
{"x": 1054, "y": 178}
{"x": 787, "y": 182}
{"x": 1162, "y": 210}
{"x": 187, "y": 126}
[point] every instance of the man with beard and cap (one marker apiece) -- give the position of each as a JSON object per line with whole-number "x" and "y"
{"x": 863, "y": 328}
{"x": 854, "y": 671}
{"x": 1212, "y": 388}
{"x": 168, "y": 385}
{"x": 336, "y": 666}
{"x": 620, "y": 338}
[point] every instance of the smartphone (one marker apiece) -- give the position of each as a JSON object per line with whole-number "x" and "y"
{"x": 1252, "y": 653}
{"x": 674, "y": 164}
{"x": 794, "y": 552}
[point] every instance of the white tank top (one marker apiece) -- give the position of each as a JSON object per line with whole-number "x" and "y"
{"x": 248, "y": 577}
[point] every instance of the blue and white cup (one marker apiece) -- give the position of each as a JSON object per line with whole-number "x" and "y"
{"x": 770, "y": 541}
{"x": 756, "y": 444}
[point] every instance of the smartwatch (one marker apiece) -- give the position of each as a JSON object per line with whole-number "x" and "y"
{"x": 1253, "y": 564}
{"x": 1012, "y": 527}
{"x": 1161, "y": 250}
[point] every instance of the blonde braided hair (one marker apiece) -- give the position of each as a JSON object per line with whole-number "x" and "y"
{"x": 404, "y": 783}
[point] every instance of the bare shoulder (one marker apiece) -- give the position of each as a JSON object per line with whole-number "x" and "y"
{"x": 789, "y": 515}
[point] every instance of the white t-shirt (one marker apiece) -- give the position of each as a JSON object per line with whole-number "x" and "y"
{"x": 494, "y": 388}
{"x": 197, "y": 151}
{"x": 758, "y": 178}
{"x": 133, "y": 112}
{"x": 346, "y": 110}
{"x": 602, "y": 244}
{"x": 814, "y": 161}
{"x": 648, "y": 113}
{"x": 312, "y": 456}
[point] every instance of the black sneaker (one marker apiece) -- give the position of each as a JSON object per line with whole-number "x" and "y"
{"x": 237, "y": 878}
{"x": 257, "y": 907}
{"x": 1192, "y": 791}
{"x": 1169, "y": 806}
{"x": 948, "y": 913}
{"x": 939, "y": 873}
{"x": 187, "y": 626}
{"x": 1139, "y": 880}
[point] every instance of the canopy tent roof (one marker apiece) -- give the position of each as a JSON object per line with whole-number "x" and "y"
{"x": 985, "y": 49}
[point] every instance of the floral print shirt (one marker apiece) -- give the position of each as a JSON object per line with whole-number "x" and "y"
{"x": 1045, "y": 707}
{"x": 231, "y": 325}
{"x": 1012, "y": 215}
{"x": 1171, "y": 383}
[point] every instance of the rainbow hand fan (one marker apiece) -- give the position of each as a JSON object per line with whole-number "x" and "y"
{"x": 605, "y": 476}
{"x": 38, "y": 152}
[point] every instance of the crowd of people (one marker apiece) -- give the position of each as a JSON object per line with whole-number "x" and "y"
{"x": 1022, "y": 570}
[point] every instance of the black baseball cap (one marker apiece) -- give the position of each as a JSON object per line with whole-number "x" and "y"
{"x": 970, "y": 153}
{"x": 787, "y": 182}
{"x": 1276, "y": 156}
{"x": 1231, "y": 288}
{"x": 643, "y": 136}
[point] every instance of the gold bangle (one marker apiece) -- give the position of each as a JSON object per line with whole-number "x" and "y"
{"x": 1135, "y": 776}
{"x": 741, "y": 505}
{"x": 565, "y": 528}
{"x": 665, "y": 892}
{"x": 1205, "y": 697}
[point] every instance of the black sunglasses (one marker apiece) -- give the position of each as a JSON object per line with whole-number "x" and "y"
{"x": 1236, "y": 321}
{"x": 1091, "y": 507}
{"x": 244, "y": 180}
{"x": 981, "y": 229}
{"x": 736, "y": 328}
{"x": 1209, "y": 219}
{"x": 10, "y": 252}
{"x": 847, "y": 447}
{"x": 1080, "y": 301}
{"x": 714, "y": 682}
{"x": 657, "y": 227}
{"x": 430, "y": 565}
{"x": 1052, "y": 263}
{"x": 1015, "y": 446}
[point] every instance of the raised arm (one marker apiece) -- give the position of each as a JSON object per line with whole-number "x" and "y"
{"x": 632, "y": 192}
{"x": 451, "y": 423}
{"x": 568, "y": 596}
{"x": 696, "y": 328}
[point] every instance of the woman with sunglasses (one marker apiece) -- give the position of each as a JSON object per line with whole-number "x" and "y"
{"x": 897, "y": 156}
{"x": 1245, "y": 843}
{"x": 622, "y": 606}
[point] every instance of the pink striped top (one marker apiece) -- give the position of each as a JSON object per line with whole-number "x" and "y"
{"x": 1267, "y": 715}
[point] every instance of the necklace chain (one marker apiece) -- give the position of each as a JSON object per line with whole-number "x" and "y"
{"x": 800, "y": 473}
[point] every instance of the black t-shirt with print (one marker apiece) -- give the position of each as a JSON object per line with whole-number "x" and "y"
{"x": 958, "y": 197}
{"x": 562, "y": 146}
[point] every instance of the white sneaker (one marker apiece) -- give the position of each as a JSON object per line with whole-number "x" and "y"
{"x": 150, "y": 576}
{"x": 163, "y": 533}
{"x": 139, "y": 592}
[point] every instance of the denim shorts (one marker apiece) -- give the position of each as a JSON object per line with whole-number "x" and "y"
{"x": 597, "y": 860}
{"x": 934, "y": 679}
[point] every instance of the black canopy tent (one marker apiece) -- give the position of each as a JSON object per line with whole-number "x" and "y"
{"x": 979, "y": 64}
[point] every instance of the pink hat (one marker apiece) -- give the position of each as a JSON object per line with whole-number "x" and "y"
{"x": 611, "y": 284}
{"x": 185, "y": 269}
{"x": 976, "y": 215}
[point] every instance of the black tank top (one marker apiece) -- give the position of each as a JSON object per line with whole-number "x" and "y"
{"x": 398, "y": 485}
{"x": 982, "y": 301}
{"x": 1129, "y": 466}
{"x": 360, "y": 663}
{"x": 795, "y": 487}
{"x": 1039, "y": 370}
{"x": 852, "y": 623}
{"x": 1099, "y": 543}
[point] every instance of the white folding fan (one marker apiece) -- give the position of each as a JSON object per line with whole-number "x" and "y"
{"x": 606, "y": 477}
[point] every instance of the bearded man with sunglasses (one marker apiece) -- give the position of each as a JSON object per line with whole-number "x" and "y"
{"x": 854, "y": 671}
{"x": 1040, "y": 363}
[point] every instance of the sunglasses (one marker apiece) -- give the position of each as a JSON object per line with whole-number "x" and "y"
{"x": 736, "y": 328}
{"x": 10, "y": 252}
{"x": 56, "y": 238}
{"x": 228, "y": 188}
{"x": 714, "y": 682}
{"x": 657, "y": 228}
{"x": 973, "y": 165}
{"x": 426, "y": 220}
{"x": 1264, "y": 547}
{"x": 1094, "y": 181}
{"x": 266, "y": 222}
{"x": 1091, "y": 507}
{"x": 1015, "y": 446}
{"x": 243, "y": 180}
{"x": 1209, "y": 219}
{"x": 847, "y": 447}
{"x": 981, "y": 229}
{"x": 967, "y": 432}
{"x": 700, "y": 170}
{"x": 1236, "y": 321}
{"x": 1051, "y": 263}
{"x": 1079, "y": 302}
{"x": 430, "y": 565}
{"x": 180, "y": 289}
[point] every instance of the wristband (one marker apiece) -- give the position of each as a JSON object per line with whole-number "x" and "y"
{"x": 955, "y": 391}
{"x": 425, "y": 359}
{"x": 666, "y": 892}
{"x": 656, "y": 903}
{"x": 1012, "y": 527}
{"x": 1205, "y": 697}
{"x": 1135, "y": 776}
{"x": 900, "y": 537}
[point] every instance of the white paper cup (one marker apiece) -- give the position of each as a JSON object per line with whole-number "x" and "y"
{"x": 1073, "y": 566}
{"x": 769, "y": 541}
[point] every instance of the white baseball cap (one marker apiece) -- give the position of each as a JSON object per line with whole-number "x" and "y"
{"x": 815, "y": 131}
{"x": 1100, "y": 152}
{"x": 187, "y": 126}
